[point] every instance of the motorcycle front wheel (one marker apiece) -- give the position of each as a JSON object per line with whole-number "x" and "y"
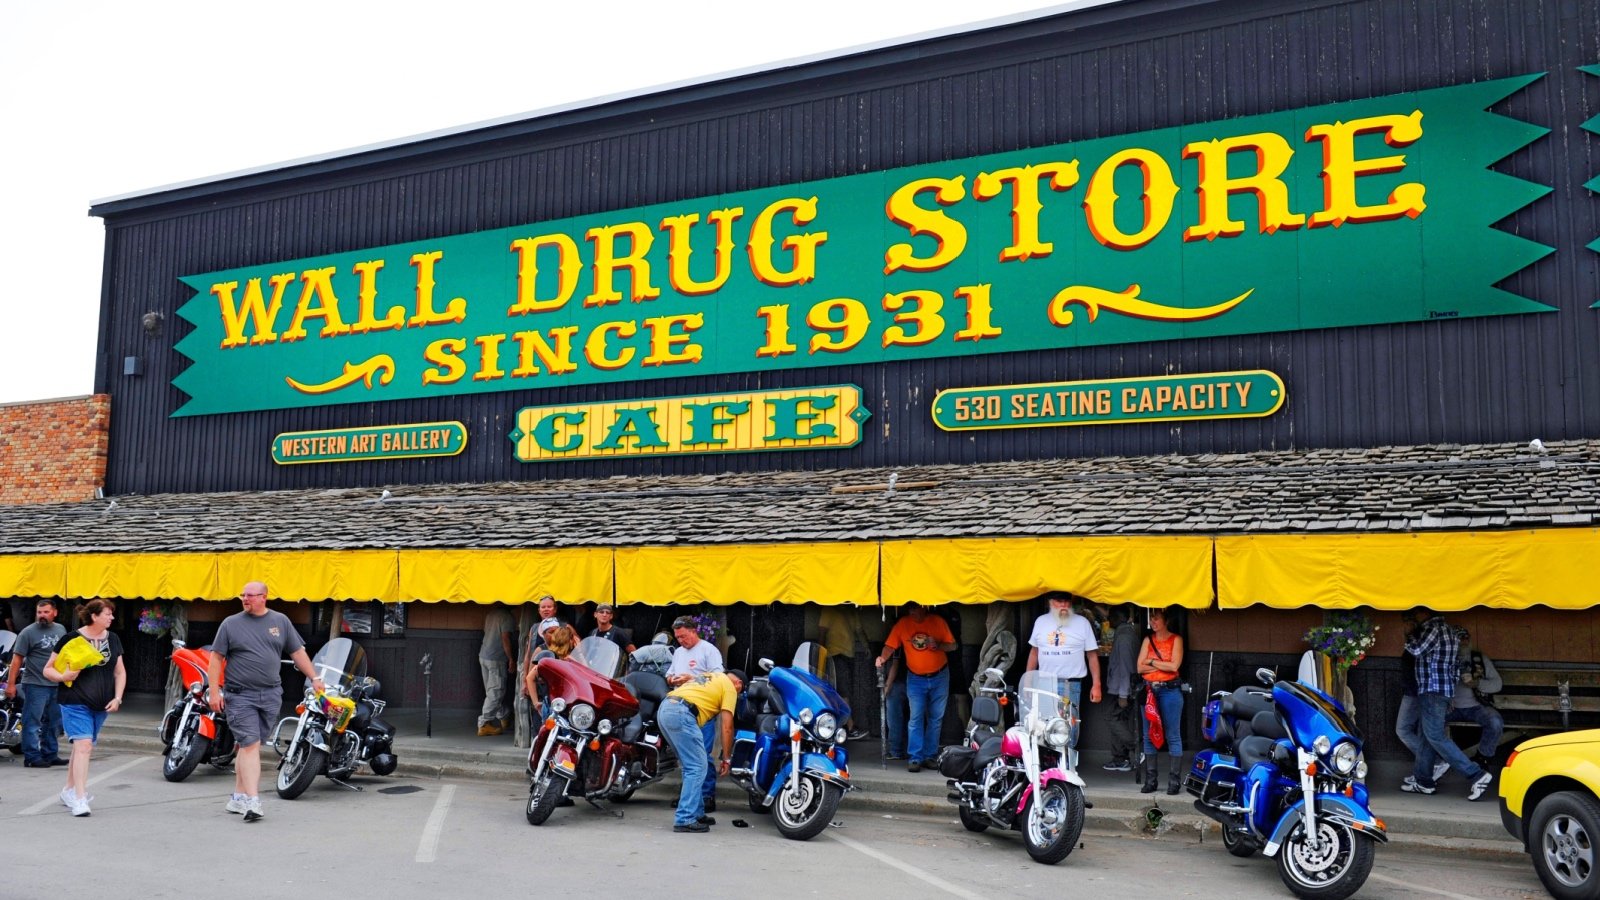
{"x": 1333, "y": 870}
{"x": 299, "y": 769}
{"x": 188, "y": 748}
{"x": 1052, "y": 822}
{"x": 543, "y": 795}
{"x": 801, "y": 813}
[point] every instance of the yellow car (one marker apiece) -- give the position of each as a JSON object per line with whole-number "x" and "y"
{"x": 1548, "y": 801}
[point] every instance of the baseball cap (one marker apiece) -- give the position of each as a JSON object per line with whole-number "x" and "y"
{"x": 605, "y": 607}
{"x": 546, "y": 625}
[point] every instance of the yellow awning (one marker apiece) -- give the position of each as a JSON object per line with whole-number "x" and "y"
{"x": 1445, "y": 571}
{"x": 572, "y": 575}
{"x": 748, "y": 573}
{"x": 1150, "y": 571}
{"x": 33, "y": 575}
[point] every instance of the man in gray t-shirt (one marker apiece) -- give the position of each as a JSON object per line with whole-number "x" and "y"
{"x": 253, "y": 643}
{"x": 41, "y": 713}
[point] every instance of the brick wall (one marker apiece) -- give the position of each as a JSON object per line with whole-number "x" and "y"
{"x": 53, "y": 451}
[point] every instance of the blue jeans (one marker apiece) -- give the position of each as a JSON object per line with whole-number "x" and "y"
{"x": 1169, "y": 702}
{"x": 927, "y": 695}
{"x": 1408, "y": 724}
{"x": 41, "y": 722}
{"x": 1486, "y": 718}
{"x": 897, "y": 712}
{"x": 678, "y": 726}
{"x": 1437, "y": 743}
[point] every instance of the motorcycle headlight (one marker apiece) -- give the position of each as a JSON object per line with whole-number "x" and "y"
{"x": 1057, "y": 733}
{"x": 805, "y": 717}
{"x": 605, "y": 726}
{"x": 1322, "y": 745}
{"x": 558, "y": 705}
{"x": 826, "y": 726}
{"x": 1345, "y": 758}
{"x": 582, "y": 716}
{"x": 1361, "y": 769}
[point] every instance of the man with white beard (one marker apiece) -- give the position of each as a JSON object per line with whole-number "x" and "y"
{"x": 1063, "y": 644}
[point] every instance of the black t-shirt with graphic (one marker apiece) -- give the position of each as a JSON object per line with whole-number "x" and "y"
{"x": 96, "y": 686}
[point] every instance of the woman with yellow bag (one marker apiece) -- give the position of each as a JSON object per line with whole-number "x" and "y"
{"x": 88, "y": 666}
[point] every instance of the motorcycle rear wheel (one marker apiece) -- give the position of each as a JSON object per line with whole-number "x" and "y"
{"x": 1236, "y": 845}
{"x": 970, "y": 820}
{"x": 1335, "y": 870}
{"x": 543, "y": 797}
{"x": 802, "y": 813}
{"x": 300, "y": 768}
{"x": 188, "y": 748}
{"x": 1046, "y": 842}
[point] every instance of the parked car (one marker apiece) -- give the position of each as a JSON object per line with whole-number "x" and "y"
{"x": 1550, "y": 801}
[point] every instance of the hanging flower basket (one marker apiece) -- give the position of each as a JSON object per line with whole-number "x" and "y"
{"x": 155, "y": 620}
{"x": 1345, "y": 639}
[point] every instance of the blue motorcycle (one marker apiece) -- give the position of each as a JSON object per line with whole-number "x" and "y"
{"x": 791, "y": 758}
{"x": 1284, "y": 778}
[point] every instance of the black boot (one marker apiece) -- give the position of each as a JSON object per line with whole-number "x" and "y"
{"x": 1149, "y": 774}
{"x": 1175, "y": 780}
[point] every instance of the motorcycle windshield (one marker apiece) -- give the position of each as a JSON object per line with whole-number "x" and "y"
{"x": 810, "y": 657}
{"x": 340, "y": 662}
{"x": 599, "y": 655}
{"x": 6, "y": 640}
{"x": 1043, "y": 697}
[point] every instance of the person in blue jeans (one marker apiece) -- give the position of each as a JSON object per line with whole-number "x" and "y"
{"x": 712, "y": 700}
{"x": 1160, "y": 658}
{"x": 41, "y": 712}
{"x": 926, "y": 642}
{"x": 1437, "y": 648}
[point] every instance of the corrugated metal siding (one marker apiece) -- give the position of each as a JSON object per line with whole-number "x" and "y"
{"x": 1506, "y": 378}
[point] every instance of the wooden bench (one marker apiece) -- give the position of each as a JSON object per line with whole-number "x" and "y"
{"x": 1537, "y": 697}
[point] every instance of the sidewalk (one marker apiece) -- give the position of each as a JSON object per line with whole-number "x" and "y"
{"x": 1445, "y": 819}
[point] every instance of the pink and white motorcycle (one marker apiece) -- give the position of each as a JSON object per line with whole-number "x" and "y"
{"x": 1025, "y": 778}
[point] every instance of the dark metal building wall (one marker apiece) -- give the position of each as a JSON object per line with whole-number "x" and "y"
{"x": 1494, "y": 379}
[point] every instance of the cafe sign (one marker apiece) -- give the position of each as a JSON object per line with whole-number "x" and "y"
{"x": 817, "y": 418}
{"x": 1369, "y": 212}
{"x": 1162, "y": 398}
{"x": 376, "y": 442}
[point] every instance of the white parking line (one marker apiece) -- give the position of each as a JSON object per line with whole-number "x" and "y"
{"x": 428, "y": 847}
{"x": 907, "y": 868}
{"x": 44, "y": 804}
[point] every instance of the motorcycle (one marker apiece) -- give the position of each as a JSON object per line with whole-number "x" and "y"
{"x": 10, "y": 707}
{"x": 338, "y": 730}
{"x": 1023, "y": 779}
{"x": 792, "y": 760}
{"x": 600, "y": 738}
{"x": 1284, "y": 779}
{"x": 191, "y": 732}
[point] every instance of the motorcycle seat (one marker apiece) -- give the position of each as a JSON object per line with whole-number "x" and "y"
{"x": 1265, "y": 724}
{"x": 988, "y": 752}
{"x": 1255, "y": 749}
{"x": 986, "y": 711}
{"x": 649, "y": 688}
{"x": 1245, "y": 702}
{"x": 633, "y": 730}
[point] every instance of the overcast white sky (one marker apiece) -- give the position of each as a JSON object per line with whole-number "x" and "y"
{"x": 100, "y": 99}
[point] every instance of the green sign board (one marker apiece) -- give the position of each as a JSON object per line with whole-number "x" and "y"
{"x": 1372, "y": 211}
{"x": 1162, "y": 398}
{"x": 375, "y": 442}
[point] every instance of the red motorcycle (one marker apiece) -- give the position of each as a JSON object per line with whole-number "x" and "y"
{"x": 599, "y": 739}
{"x": 191, "y": 733}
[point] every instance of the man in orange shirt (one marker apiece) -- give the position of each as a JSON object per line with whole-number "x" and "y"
{"x": 927, "y": 641}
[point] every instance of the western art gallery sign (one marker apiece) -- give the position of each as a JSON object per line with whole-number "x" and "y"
{"x": 1360, "y": 213}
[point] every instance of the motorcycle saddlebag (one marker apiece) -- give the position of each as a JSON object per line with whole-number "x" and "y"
{"x": 956, "y": 762}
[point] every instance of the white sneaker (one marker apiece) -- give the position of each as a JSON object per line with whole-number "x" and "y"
{"x": 80, "y": 806}
{"x": 237, "y": 803}
{"x": 252, "y": 810}
{"x": 1439, "y": 770}
{"x": 1480, "y": 785}
{"x": 67, "y": 796}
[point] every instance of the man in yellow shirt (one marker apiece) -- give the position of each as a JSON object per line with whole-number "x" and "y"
{"x": 685, "y": 711}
